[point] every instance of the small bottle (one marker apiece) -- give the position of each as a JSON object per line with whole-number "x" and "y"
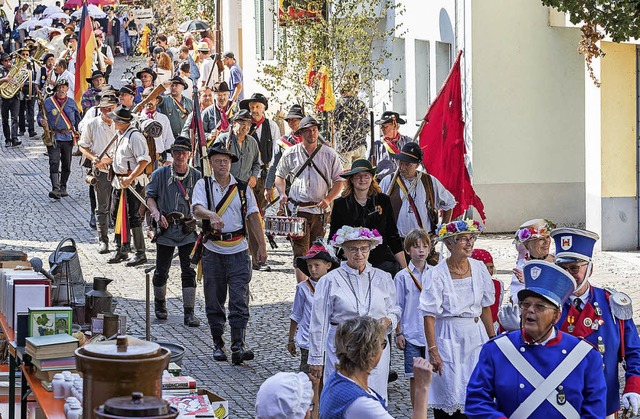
{"x": 67, "y": 385}
{"x": 75, "y": 410}
{"x": 67, "y": 404}
{"x": 58, "y": 386}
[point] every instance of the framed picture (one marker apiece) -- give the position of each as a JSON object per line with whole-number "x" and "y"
{"x": 97, "y": 325}
{"x": 49, "y": 321}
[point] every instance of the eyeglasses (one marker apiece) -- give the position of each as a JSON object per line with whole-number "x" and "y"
{"x": 542, "y": 238}
{"x": 361, "y": 249}
{"x": 221, "y": 161}
{"x": 574, "y": 268}
{"x": 537, "y": 307}
{"x": 466, "y": 240}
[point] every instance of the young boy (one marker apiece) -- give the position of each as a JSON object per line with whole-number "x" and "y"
{"x": 410, "y": 330}
{"x": 315, "y": 264}
{"x": 485, "y": 257}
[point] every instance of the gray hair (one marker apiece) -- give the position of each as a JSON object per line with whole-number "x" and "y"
{"x": 358, "y": 340}
{"x": 449, "y": 242}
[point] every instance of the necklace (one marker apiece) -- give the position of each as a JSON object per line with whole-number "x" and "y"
{"x": 175, "y": 176}
{"x": 355, "y": 294}
{"x": 457, "y": 272}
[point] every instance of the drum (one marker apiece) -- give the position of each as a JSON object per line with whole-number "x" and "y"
{"x": 284, "y": 226}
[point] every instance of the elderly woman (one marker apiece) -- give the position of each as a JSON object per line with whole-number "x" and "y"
{"x": 363, "y": 204}
{"x": 286, "y": 395}
{"x": 533, "y": 241}
{"x": 539, "y": 360}
{"x": 360, "y": 343}
{"x": 456, "y": 301}
{"x": 354, "y": 289}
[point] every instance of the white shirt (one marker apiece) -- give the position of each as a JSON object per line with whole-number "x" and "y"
{"x": 207, "y": 67}
{"x": 365, "y": 407}
{"x": 165, "y": 140}
{"x": 130, "y": 149}
{"x": 301, "y": 311}
{"x": 91, "y": 113}
{"x": 443, "y": 199}
{"x": 408, "y": 296}
{"x": 584, "y": 297}
{"x": 97, "y": 135}
{"x": 232, "y": 217}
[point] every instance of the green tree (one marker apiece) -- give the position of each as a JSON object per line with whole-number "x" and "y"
{"x": 355, "y": 38}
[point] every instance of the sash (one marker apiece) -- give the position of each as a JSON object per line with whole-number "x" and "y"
{"x": 227, "y": 199}
{"x": 415, "y": 280}
{"x": 310, "y": 285}
{"x": 410, "y": 199}
{"x": 224, "y": 120}
{"x": 180, "y": 107}
{"x": 61, "y": 112}
{"x": 545, "y": 387}
{"x": 391, "y": 147}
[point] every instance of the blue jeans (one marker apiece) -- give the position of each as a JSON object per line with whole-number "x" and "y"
{"x": 410, "y": 351}
{"x": 222, "y": 274}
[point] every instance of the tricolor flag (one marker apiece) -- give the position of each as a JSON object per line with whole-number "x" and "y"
{"x": 84, "y": 55}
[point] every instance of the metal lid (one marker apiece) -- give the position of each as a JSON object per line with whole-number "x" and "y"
{"x": 136, "y": 406}
{"x": 123, "y": 347}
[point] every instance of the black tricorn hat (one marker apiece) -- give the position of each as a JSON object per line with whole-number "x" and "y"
{"x": 178, "y": 80}
{"x": 221, "y": 87}
{"x": 317, "y": 251}
{"x": 219, "y": 148}
{"x": 256, "y": 97}
{"x": 390, "y": 116}
{"x": 181, "y": 144}
{"x": 128, "y": 89}
{"x": 410, "y": 153}
{"x": 242, "y": 115}
{"x": 95, "y": 74}
{"x": 60, "y": 82}
{"x": 121, "y": 114}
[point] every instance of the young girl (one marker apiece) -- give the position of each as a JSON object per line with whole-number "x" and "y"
{"x": 485, "y": 257}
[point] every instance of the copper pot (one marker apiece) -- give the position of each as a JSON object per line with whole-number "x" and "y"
{"x": 119, "y": 368}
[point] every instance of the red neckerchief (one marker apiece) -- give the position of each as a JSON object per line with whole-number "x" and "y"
{"x": 224, "y": 119}
{"x": 60, "y": 101}
{"x": 296, "y": 138}
{"x": 150, "y": 114}
{"x": 258, "y": 123}
{"x": 393, "y": 143}
{"x": 552, "y": 342}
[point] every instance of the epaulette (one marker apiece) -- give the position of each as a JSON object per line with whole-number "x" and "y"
{"x": 621, "y": 306}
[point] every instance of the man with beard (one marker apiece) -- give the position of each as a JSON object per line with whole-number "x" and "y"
{"x": 90, "y": 97}
{"x": 176, "y": 106}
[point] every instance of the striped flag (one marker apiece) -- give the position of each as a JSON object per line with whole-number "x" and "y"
{"x": 84, "y": 55}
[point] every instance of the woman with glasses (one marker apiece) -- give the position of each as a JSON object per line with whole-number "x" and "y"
{"x": 360, "y": 343}
{"x": 363, "y": 204}
{"x": 354, "y": 289}
{"x": 456, "y": 298}
{"x": 538, "y": 371}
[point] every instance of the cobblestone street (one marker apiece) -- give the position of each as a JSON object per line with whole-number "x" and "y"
{"x": 34, "y": 223}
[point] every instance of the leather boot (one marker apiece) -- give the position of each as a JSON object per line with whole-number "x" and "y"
{"x": 160, "y": 302}
{"x": 103, "y": 238}
{"x": 140, "y": 256}
{"x": 189, "y": 303}
{"x": 120, "y": 256}
{"x": 238, "y": 353}
{"x": 55, "y": 187}
{"x": 218, "y": 349}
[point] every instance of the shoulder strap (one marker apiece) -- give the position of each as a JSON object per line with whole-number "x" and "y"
{"x": 306, "y": 163}
{"x": 427, "y": 181}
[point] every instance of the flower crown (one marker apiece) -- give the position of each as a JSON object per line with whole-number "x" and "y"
{"x": 458, "y": 227}
{"x": 348, "y": 233}
{"x": 531, "y": 232}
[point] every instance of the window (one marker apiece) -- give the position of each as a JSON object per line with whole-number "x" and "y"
{"x": 443, "y": 63}
{"x": 399, "y": 77}
{"x": 265, "y": 29}
{"x": 423, "y": 93}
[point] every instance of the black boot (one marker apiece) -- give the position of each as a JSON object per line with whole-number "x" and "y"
{"x": 238, "y": 353}
{"x": 63, "y": 191}
{"x": 103, "y": 238}
{"x": 189, "y": 302}
{"x": 92, "y": 221}
{"x": 55, "y": 187}
{"x": 160, "y": 302}
{"x": 120, "y": 256}
{"x": 218, "y": 349}
{"x": 140, "y": 256}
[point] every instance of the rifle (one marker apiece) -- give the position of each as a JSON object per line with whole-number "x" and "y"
{"x": 47, "y": 136}
{"x": 372, "y": 150}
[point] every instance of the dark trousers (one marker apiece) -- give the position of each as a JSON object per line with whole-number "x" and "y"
{"x": 10, "y": 108}
{"x": 164, "y": 257}
{"x": 441, "y": 414}
{"x": 133, "y": 208}
{"x": 60, "y": 160}
{"x": 222, "y": 274}
{"x": 27, "y": 117}
{"x": 101, "y": 198}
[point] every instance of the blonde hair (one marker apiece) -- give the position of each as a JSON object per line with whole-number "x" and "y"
{"x": 414, "y": 236}
{"x": 164, "y": 61}
{"x": 357, "y": 341}
{"x": 347, "y": 188}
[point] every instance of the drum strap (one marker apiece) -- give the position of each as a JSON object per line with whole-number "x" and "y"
{"x": 545, "y": 388}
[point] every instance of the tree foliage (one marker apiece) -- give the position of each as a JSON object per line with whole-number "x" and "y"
{"x": 356, "y": 38}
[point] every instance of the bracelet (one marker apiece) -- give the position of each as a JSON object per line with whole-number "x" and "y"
{"x": 399, "y": 334}
{"x": 432, "y": 347}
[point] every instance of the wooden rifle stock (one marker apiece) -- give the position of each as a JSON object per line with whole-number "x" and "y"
{"x": 159, "y": 89}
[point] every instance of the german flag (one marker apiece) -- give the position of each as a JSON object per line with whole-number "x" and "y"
{"x": 84, "y": 59}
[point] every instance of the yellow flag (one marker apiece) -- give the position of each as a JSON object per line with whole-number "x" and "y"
{"x": 326, "y": 100}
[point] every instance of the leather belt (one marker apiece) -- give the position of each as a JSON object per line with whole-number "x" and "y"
{"x": 62, "y": 131}
{"x": 302, "y": 204}
{"x": 225, "y": 237}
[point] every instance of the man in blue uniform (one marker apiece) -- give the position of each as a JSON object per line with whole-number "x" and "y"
{"x": 538, "y": 371}
{"x": 602, "y": 317}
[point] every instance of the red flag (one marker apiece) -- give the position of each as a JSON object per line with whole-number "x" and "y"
{"x": 442, "y": 139}
{"x": 84, "y": 55}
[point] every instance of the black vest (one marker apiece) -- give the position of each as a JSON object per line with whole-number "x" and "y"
{"x": 265, "y": 141}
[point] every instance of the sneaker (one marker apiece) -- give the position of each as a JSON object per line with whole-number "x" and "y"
{"x": 263, "y": 267}
{"x": 32, "y": 134}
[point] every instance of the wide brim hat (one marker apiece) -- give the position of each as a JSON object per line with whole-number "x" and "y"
{"x": 178, "y": 80}
{"x": 359, "y": 166}
{"x": 347, "y": 234}
{"x": 221, "y": 87}
{"x": 219, "y": 148}
{"x": 106, "y": 101}
{"x": 295, "y": 112}
{"x": 148, "y": 90}
{"x": 455, "y": 228}
{"x": 573, "y": 244}
{"x": 242, "y": 115}
{"x": 317, "y": 251}
{"x": 47, "y": 56}
{"x": 410, "y": 153}
{"x": 256, "y": 97}
{"x": 95, "y": 75}
{"x": 121, "y": 114}
{"x": 203, "y": 46}
{"x": 548, "y": 281}
{"x": 533, "y": 229}
{"x": 181, "y": 144}
{"x": 390, "y": 116}
{"x": 147, "y": 70}
{"x": 307, "y": 122}
{"x": 128, "y": 89}
{"x": 69, "y": 37}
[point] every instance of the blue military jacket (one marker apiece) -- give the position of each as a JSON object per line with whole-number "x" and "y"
{"x": 56, "y": 120}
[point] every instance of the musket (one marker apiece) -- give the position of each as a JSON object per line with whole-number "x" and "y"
{"x": 47, "y": 136}
{"x": 372, "y": 151}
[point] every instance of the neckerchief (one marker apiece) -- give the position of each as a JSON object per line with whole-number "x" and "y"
{"x": 180, "y": 107}
{"x": 150, "y": 114}
{"x": 224, "y": 119}
{"x": 415, "y": 280}
{"x": 258, "y": 123}
{"x": 64, "y": 116}
{"x": 391, "y": 144}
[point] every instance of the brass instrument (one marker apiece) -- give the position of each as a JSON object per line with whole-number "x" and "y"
{"x": 19, "y": 73}
{"x": 47, "y": 136}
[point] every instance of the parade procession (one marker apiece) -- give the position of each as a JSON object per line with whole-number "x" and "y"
{"x": 326, "y": 209}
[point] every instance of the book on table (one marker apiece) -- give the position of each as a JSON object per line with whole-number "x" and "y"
{"x": 170, "y": 382}
{"x": 51, "y": 346}
{"x": 55, "y": 364}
